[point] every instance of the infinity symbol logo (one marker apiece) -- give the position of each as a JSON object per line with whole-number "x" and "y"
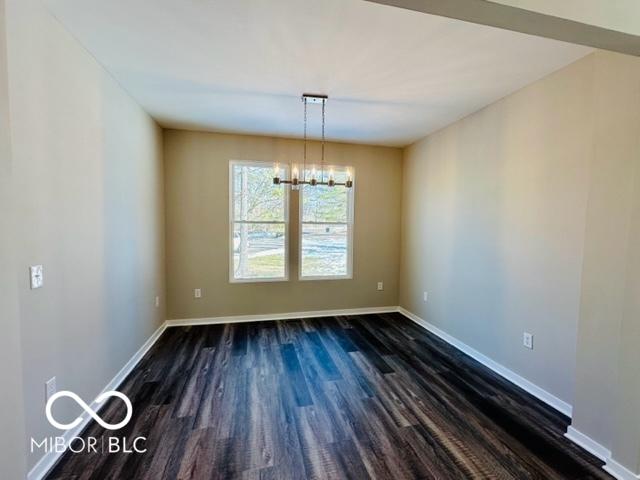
{"x": 101, "y": 398}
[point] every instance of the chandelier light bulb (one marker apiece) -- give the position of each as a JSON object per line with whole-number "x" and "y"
{"x": 349, "y": 182}
{"x": 276, "y": 175}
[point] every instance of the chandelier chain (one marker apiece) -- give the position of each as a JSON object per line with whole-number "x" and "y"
{"x": 304, "y": 158}
{"x": 324, "y": 101}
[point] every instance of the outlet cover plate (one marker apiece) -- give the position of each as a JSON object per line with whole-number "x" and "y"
{"x": 36, "y": 276}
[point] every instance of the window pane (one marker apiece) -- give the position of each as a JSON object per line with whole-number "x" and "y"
{"x": 256, "y": 198}
{"x": 258, "y": 251}
{"x": 325, "y": 204}
{"x": 324, "y": 250}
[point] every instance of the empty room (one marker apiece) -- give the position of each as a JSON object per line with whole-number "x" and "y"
{"x": 332, "y": 239}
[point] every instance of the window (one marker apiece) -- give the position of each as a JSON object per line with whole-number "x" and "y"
{"x": 259, "y": 224}
{"x": 326, "y": 226}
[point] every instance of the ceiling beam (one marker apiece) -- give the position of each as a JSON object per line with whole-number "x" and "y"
{"x": 516, "y": 19}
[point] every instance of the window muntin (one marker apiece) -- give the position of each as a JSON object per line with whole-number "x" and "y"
{"x": 259, "y": 224}
{"x": 326, "y": 230}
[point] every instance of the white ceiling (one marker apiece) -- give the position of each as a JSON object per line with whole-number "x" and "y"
{"x": 392, "y": 75}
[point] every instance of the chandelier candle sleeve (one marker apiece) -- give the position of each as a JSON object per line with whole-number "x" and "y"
{"x": 332, "y": 180}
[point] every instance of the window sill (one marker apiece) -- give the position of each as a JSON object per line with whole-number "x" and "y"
{"x": 325, "y": 277}
{"x": 258, "y": 280}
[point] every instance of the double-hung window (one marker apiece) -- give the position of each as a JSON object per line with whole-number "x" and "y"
{"x": 259, "y": 224}
{"x": 326, "y": 230}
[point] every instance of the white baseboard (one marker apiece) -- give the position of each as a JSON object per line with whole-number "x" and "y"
{"x": 586, "y": 442}
{"x": 279, "y": 316}
{"x": 48, "y": 460}
{"x": 619, "y": 471}
{"x": 530, "y": 387}
{"x": 501, "y": 370}
{"x": 614, "y": 468}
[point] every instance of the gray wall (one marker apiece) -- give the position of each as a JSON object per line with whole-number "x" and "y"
{"x": 88, "y": 182}
{"x": 197, "y": 205}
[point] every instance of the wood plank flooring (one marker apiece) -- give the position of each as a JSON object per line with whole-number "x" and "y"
{"x": 371, "y": 396}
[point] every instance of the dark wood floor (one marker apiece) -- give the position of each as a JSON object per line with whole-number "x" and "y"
{"x": 372, "y": 396}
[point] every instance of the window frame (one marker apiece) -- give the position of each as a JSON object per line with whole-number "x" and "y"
{"x": 232, "y": 222}
{"x": 349, "y": 225}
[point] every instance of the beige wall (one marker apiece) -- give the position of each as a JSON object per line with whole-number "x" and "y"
{"x": 493, "y": 226}
{"x": 88, "y": 184}
{"x": 520, "y": 217}
{"x": 12, "y": 455}
{"x": 524, "y": 217}
{"x": 606, "y": 242}
{"x": 607, "y": 383}
{"x": 626, "y": 439}
{"x": 197, "y": 176}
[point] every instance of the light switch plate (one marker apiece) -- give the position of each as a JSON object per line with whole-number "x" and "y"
{"x": 380, "y": 286}
{"x": 36, "y": 276}
{"x": 157, "y": 302}
{"x": 425, "y": 296}
{"x": 527, "y": 340}
{"x": 197, "y": 293}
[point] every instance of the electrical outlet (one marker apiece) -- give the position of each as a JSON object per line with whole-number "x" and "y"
{"x": 425, "y": 296}
{"x": 36, "y": 276}
{"x": 49, "y": 388}
{"x": 527, "y": 340}
{"x": 197, "y": 293}
{"x": 380, "y": 286}
{"x": 157, "y": 301}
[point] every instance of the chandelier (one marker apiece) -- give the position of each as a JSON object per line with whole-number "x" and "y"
{"x": 296, "y": 180}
